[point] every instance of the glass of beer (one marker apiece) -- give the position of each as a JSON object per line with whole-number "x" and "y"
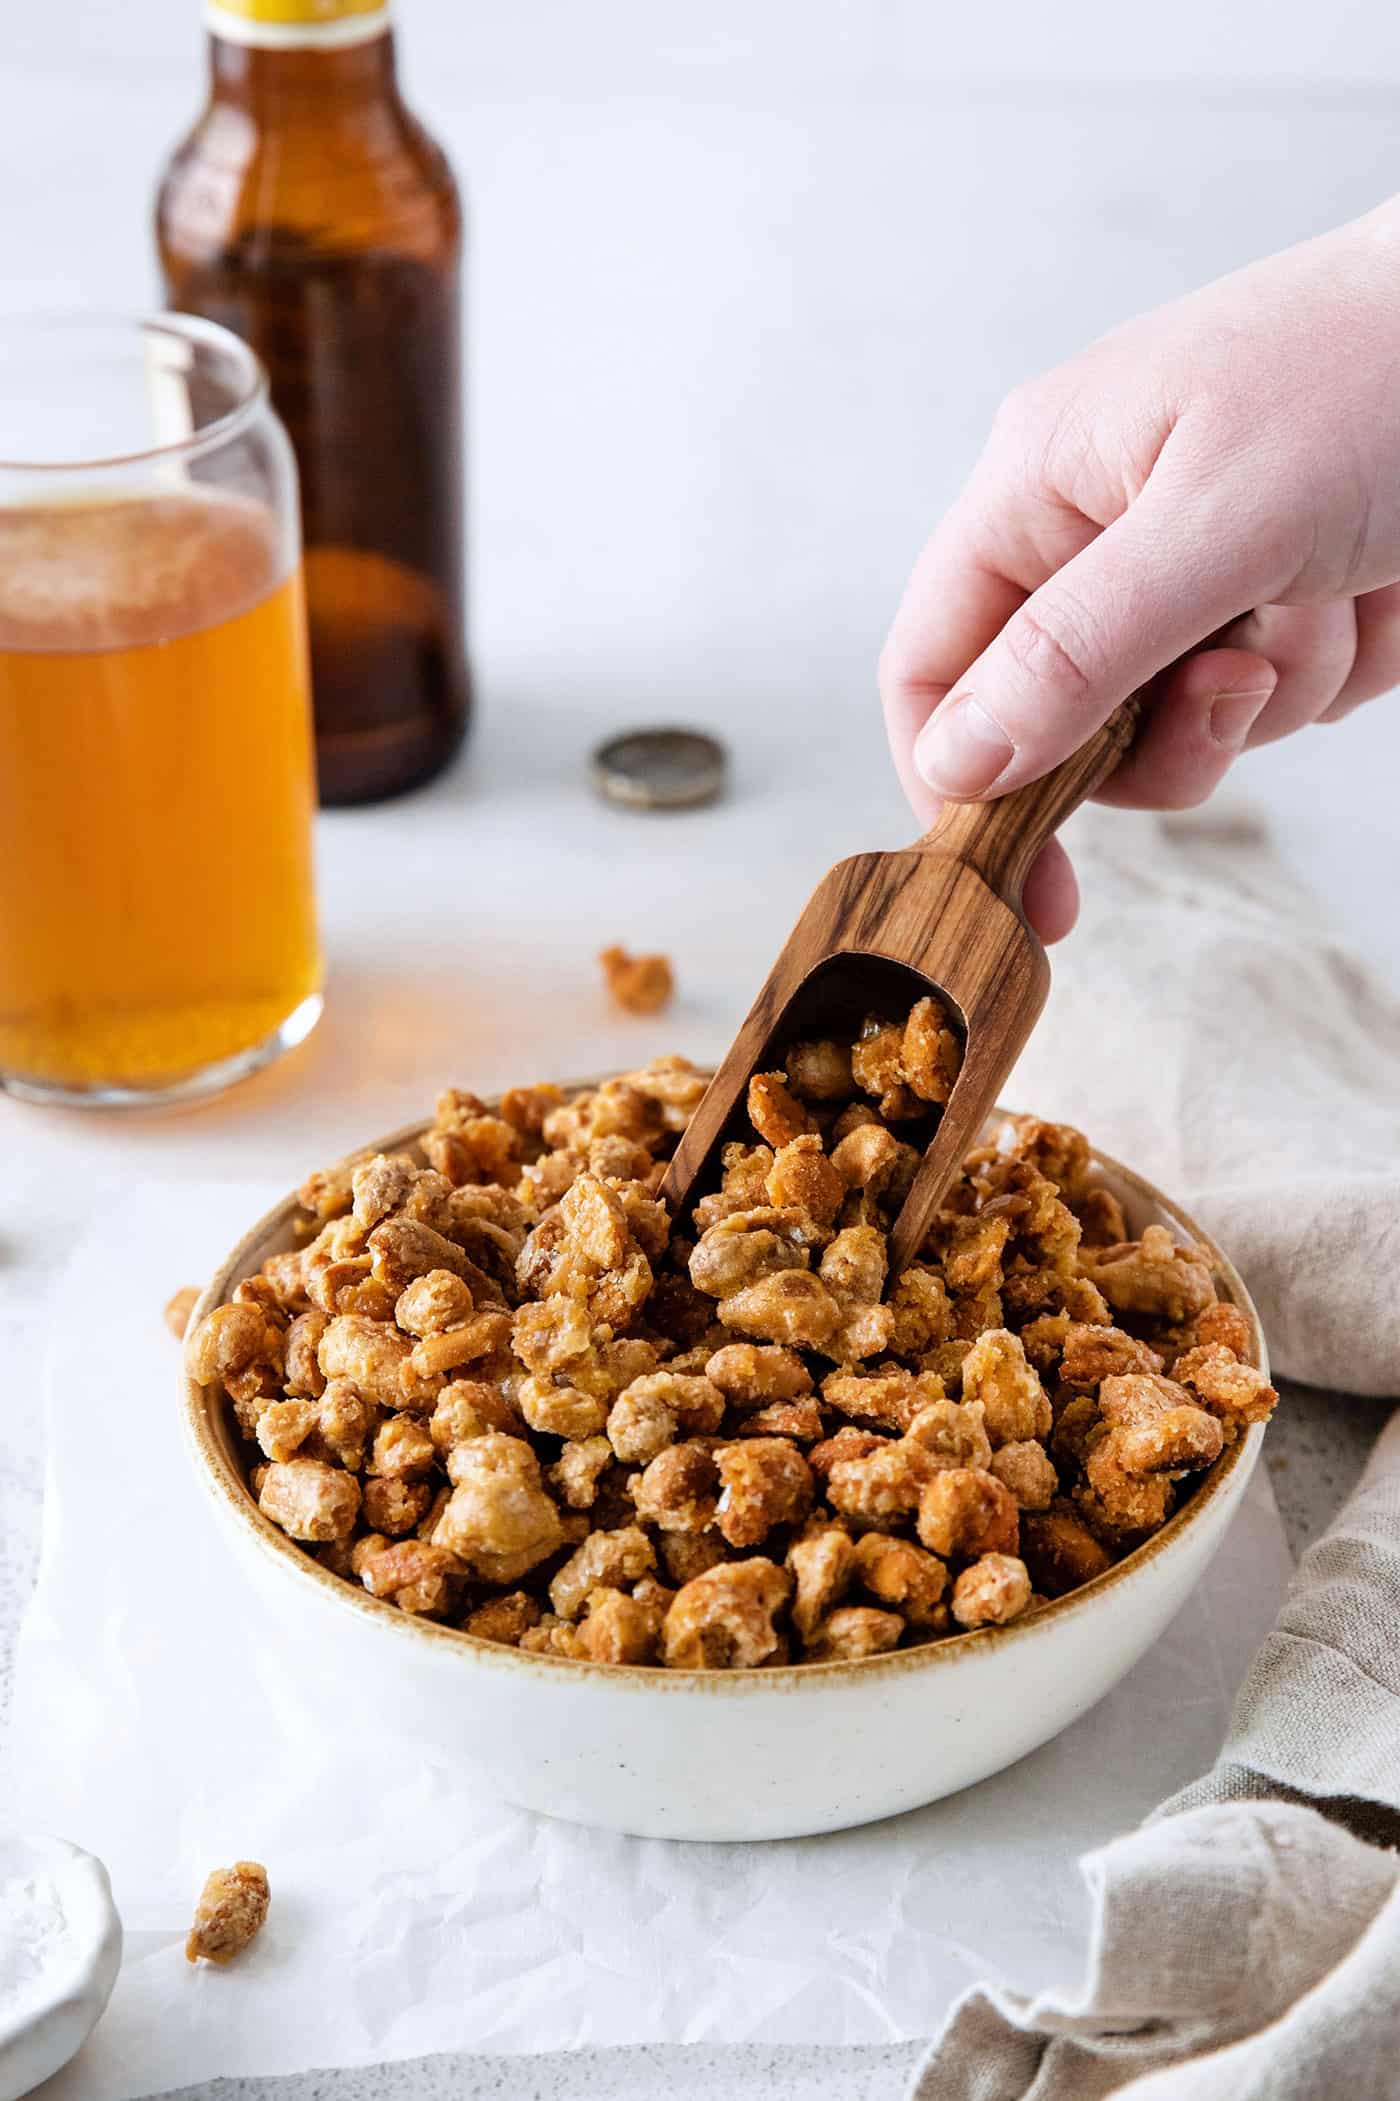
{"x": 157, "y": 916}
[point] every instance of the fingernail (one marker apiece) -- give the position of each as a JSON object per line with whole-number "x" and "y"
{"x": 961, "y": 751}
{"x": 1233, "y": 715}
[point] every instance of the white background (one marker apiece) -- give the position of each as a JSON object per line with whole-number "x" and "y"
{"x": 748, "y": 280}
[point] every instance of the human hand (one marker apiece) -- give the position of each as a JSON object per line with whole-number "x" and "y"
{"x": 1206, "y": 504}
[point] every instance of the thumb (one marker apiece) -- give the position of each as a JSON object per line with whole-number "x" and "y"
{"x": 1140, "y": 595}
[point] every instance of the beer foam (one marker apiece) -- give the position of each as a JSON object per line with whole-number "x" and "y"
{"x": 102, "y": 572}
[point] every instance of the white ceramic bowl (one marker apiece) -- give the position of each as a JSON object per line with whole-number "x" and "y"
{"x": 725, "y": 1754}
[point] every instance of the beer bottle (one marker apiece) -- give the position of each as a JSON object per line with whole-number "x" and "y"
{"x": 310, "y": 212}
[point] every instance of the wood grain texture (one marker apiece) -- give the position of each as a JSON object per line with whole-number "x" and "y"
{"x": 883, "y": 929}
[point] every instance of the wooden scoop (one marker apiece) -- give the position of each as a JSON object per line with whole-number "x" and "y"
{"x": 883, "y": 930}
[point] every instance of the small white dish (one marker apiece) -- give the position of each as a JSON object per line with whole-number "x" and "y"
{"x": 60, "y": 1949}
{"x": 722, "y": 1755}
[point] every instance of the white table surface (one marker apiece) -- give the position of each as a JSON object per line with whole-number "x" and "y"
{"x": 745, "y": 291}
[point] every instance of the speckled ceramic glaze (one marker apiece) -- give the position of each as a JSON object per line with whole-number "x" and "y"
{"x": 723, "y": 1754}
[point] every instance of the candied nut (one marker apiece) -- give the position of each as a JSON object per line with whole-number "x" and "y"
{"x": 964, "y": 1513}
{"x": 922, "y": 1314}
{"x": 723, "y": 1619}
{"x": 1101, "y": 1219}
{"x": 414, "y": 1575}
{"x": 302, "y": 1371}
{"x": 576, "y": 1472}
{"x": 679, "y": 1489}
{"x": 402, "y": 1448}
{"x": 606, "y": 1560}
{"x": 369, "y": 1353}
{"x": 930, "y": 1054}
{"x": 1055, "y": 1150}
{"x": 902, "y": 1575}
{"x": 1237, "y": 1393}
{"x": 639, "y": 984}
{"x": 821, "y": 1561}
{"x": 552, "y": 1637}
{"x": 685, "y": 1555}
{"x": 800, "y": 1420}
{"x": 885, "y": 1483}
{"x": 792, "y": 1307}
{"x": 1059, "y": 1550}
{"x": 561, "y": 1411}
{"x": 1092, "y": 1353}
{"x": 877, "y": 1065}
{"x": 749, "y": 1374}
{"x": 1151, "y": 1276}
{"x": 871, "y": 1158}
{"x": 381, "y": 1186}
{"x": 743, "y": 1186}
{"x": 525, "y": 1108}
{"x": 617, "y": 1628}
{"x": 231, "y": 1911}
{"x": 284, "y": 1426}
{"x": 852, "y": 1631}
{"x": 855, "y": 1265}
{"x": 953, "y": 1433}
{"x": 395, "y": 1506}
{"x": 344, "y": 1419}
{"x": 468, "y": 1146}
{"x": 504, "y": 1619}
{"x": 499, "y": 1518}
{"x": 694, "y": 1400}
{"x": 992, "y": 1591}
{"x": 328, "y": 1193}
{"x": 746, "y": 1246}
{"x": 847, "y": 1443}
{"x": 179, "y": 1308}
{"x": 1026, "y": 1469}
{"x": 802, "y": 1178}
{"x": 551, "y": 1334}
{"x": 1115, "y": 1503}
{"x": 995, "y": 1372}
{"x": 471, "y": 1408}
{"x": 820, "y": 1071}
{"x": 310, "y": 1500}
{"x": 774, "y": 1111}
{"x": 891, "y": 1397}
{"x": 229, "y": 1340}
{"x": 641, "y": 1423}
{"x": 975, "y": 1249}
{"x": 1226, "y": 1325}
{"x": 763, "y": 1482}
{"x": 432, "y": 1303}
{"x": 1156, "y": 1427}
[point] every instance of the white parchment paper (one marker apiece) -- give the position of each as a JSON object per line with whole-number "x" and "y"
{"x": 160, "y": 1720}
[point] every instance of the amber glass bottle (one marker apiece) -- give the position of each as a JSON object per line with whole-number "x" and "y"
{"x": 310, "y": 212}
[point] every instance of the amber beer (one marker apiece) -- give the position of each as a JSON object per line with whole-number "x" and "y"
{"x": 155, "y": 788}
{"x": 157, "y": 918}
{"x": 310, "y": 212}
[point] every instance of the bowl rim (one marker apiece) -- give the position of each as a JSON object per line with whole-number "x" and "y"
{"x": 212, "y": 1458}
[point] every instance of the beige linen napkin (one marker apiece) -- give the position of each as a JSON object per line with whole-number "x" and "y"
{"x": 1246, "y": 1941}
{"x": 1206, "y": 1025}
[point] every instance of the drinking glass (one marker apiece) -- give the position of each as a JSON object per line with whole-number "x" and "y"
{"x": 157, "y": 912}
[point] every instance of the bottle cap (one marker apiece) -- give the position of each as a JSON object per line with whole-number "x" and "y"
{"x": 660, "y": 769}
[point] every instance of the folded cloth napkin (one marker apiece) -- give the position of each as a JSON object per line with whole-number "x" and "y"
{"x": 1246, "y": 1940}
{"x": 1204, "y": 1014}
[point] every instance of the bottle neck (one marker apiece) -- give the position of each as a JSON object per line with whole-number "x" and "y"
{"x": 308, "y": 64}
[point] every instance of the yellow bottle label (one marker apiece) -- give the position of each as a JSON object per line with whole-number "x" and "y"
{"x": 290, "y": 22}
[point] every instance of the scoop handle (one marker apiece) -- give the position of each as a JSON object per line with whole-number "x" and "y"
{"x": 1001, "y": 839}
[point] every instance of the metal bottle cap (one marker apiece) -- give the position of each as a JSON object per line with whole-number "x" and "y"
{"x": 660, "y": 769}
